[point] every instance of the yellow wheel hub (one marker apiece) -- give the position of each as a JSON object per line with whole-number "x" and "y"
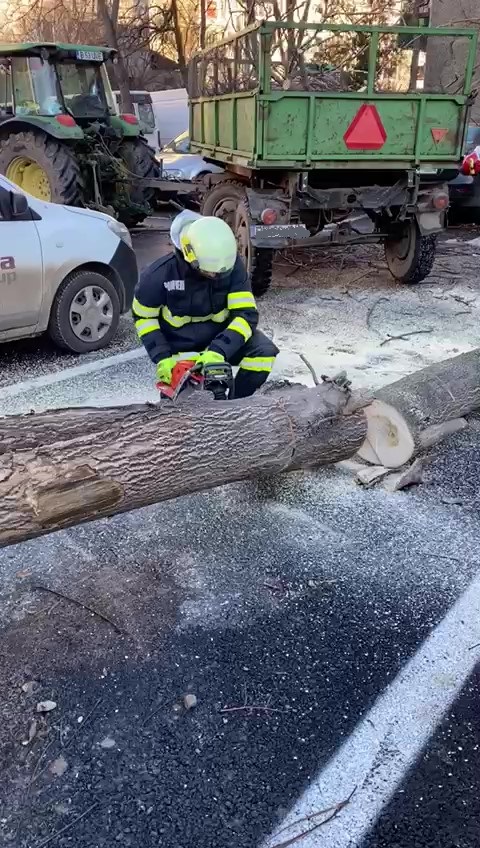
{"x": 30, "y": 176}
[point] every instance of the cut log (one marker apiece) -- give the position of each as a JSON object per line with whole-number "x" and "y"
{"x": 419, "y": 410}
{"x": 60, "y": 468}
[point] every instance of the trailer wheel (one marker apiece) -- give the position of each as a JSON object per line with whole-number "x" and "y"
{"x": 259, "y": 263}
{"x": 409, "y": 254}
{"x": 222, "y": 201}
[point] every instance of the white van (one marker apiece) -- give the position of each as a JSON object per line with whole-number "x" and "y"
{"x": 66, "y": 271}
{"x": 162, "y": 115}
{"x": 142, "y": 103}
{"x": 171, "y": 113}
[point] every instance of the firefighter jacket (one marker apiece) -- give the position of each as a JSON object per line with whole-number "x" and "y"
{"x": 175, "y": 309}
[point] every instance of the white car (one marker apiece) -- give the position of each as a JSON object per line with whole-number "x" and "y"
{"x": 66, "y": 271}
{"x": 179, "y": 164}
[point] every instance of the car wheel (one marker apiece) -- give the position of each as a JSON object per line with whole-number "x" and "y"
{"x": 85, "y": 313}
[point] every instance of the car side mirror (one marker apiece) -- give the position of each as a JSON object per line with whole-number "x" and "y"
{"x": 18, "y": 204}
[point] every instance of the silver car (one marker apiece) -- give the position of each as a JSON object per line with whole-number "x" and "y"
{"x": 179, "y": 164}
{"x": 66, "y": 271}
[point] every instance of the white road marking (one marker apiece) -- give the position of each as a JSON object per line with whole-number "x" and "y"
{"x": 67, "y": 373}
{"x": 386, "y": 743}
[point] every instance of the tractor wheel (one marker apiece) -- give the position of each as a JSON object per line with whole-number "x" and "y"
{"x": 42, "y": 167}
{"x": 259, "y": 263}
{"x": 228, "y": 201}
{"x": 140, "y": 161}
{"x": 410, "y": 256}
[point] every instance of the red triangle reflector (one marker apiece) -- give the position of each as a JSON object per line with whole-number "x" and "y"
{"x": 438, "y": 134}
{"x": 366, "y": 132}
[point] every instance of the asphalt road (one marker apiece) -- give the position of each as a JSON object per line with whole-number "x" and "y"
{"x": 329, "y": 636}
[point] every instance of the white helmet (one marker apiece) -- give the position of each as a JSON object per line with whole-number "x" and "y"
{"x": 207, "y": 243}
{"x": 179, "y": 223}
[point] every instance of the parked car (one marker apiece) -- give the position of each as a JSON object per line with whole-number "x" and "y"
{"x": 464, "y": 190}
{"x": 66, "y": 271}
{"x": 179, "y": 164}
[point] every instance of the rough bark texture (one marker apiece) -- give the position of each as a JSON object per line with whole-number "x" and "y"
{"x": 443, "y": 391}
{"x": 61, "y": 468}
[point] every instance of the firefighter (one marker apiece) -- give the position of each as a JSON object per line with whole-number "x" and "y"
{"x": 197, "y": 303}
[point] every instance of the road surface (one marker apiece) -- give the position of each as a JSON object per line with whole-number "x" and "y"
{"x": 329, "y": 635}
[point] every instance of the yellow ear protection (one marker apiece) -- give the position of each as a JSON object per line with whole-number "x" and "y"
{"x": 188, "y": 252}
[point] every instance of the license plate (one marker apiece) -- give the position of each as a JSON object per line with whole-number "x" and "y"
{"x": 90, "y": 55}
{"x": 275, "y": 231}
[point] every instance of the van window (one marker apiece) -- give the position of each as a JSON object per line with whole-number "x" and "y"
{"x": 6, "y": 102}
{"x": 146, "y": 118}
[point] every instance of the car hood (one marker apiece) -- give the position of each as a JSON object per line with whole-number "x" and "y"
{"x": 42, "y": 206}
{"x": 171, "y": 160}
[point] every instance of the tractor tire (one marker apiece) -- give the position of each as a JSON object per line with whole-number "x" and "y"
{"x": 259, "y": 262}
{"x": 410, "y": 255}
{"x": 228, "y": 201}
{"x": 42, "y": 166}
{"x": 140, "y": 161}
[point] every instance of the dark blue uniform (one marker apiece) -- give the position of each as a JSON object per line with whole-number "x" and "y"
{"x": 178, "y": 311}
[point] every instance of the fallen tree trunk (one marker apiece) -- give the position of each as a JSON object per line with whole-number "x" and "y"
{"x": 64, "y": 467}
{"x": 417, "y": 411}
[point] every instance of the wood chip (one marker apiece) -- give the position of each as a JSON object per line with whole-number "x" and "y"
{"x": 58, "y": 767}
{"x": 411, "y": 476}
{"x": 46, "y": 706}
{"x": 370, "y": 475}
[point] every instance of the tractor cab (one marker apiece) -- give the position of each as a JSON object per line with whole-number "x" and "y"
{"x": 51, "y": 80}
{"x": 61, "y": 138}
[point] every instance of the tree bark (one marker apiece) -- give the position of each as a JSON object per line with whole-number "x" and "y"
{"x": 402, "y": 417}
{"x": 179, "y": 42}
{"x": 61, "y": 468}
{"x": 109, "y": 18}
{"x": 203, "y": 23}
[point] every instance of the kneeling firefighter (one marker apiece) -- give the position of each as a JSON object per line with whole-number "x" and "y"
{"x": 196, "y": 303}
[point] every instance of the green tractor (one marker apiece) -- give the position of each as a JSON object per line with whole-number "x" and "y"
{"x": 61, "y": 138}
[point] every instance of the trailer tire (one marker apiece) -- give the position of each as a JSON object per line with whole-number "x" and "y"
{"x": 222, "y": 201}
{"x": 410, "y": 256}
{"x": 258, "y": 262}
{"x": 139, "y": 159}
{"x": 42, "y": 166}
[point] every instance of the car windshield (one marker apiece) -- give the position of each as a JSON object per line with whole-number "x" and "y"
{"x": 180, "y": 144}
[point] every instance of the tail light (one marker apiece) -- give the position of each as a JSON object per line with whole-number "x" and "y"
{"x": 65, "y": 120}
{"x": 268, "y": 216}
{"x": 129, "y": 119}
{"x": 441, "y": 200}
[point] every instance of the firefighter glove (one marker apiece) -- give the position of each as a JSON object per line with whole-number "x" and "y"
{"x": 164, "y": 369}
{"x": 210, "y": 357}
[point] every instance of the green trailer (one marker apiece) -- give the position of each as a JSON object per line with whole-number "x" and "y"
{"x": 315, "y": 124}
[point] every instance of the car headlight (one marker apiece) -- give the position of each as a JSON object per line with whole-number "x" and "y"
{"x": 174, "y": 174}
{"x": 121, "y": 231}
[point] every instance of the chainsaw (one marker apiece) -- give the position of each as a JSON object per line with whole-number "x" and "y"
{"x": 189, "y": 376}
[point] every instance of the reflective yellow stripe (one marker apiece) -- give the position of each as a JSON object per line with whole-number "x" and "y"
{"x": 146, "y": 325}
{"x": 218, "y": 317}
{"x": 257, "y": 363}
{"x": 175, "y": 320}
{"x": 241, "y": 300}
{"x": 145, "y": 311}
{"x": 181, "y": 320}
{"x": 241, "y": 326}
{"x": 189, "y": 355}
